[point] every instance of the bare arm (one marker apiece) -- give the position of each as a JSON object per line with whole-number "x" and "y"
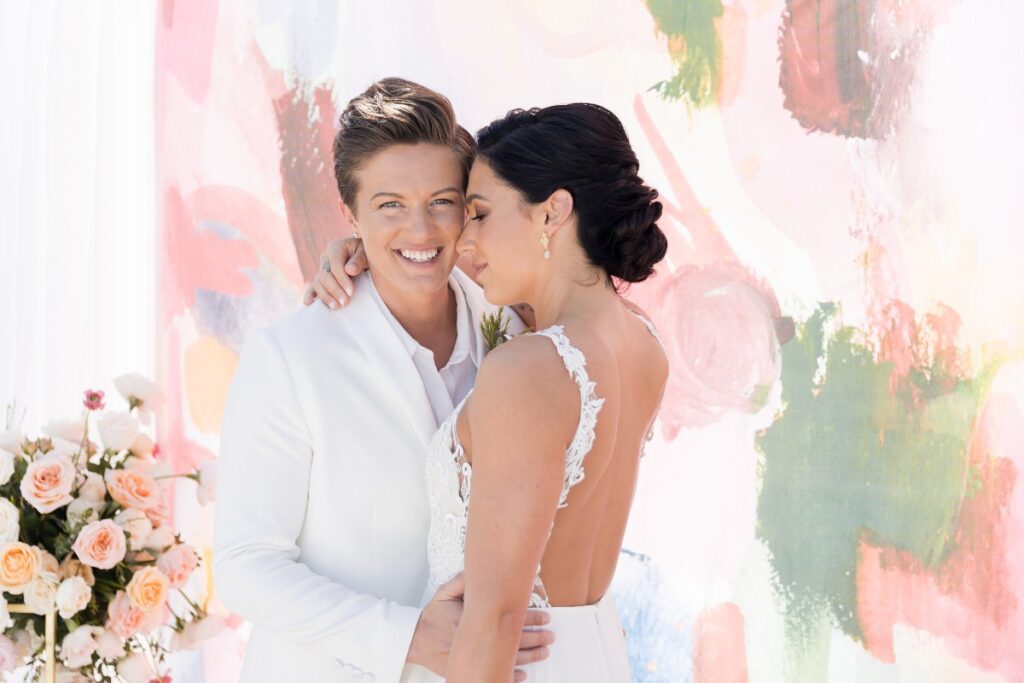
{"x": 516, "y": 485}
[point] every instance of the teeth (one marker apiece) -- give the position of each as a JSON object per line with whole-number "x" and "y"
{"x": 419, "y": 256}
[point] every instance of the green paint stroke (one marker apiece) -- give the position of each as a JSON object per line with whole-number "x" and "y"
{"x": 848, "y": 459}
{"x": 695, "y": 47}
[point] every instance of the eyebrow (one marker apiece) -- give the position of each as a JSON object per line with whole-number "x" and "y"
{"x": 395, "y": 194}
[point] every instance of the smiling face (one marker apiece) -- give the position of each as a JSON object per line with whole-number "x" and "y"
{"x": 502, "y": 237}
{"x": 410, "y": 210}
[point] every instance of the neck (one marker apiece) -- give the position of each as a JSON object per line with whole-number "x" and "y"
{"x": 572, "y": 291}
{"x": 428, "y": 318}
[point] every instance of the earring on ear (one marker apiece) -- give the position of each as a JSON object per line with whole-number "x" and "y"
{"x": 355, "y": 233}
{"x": 545, "y": 241}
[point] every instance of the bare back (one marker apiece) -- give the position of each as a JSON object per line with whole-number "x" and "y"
{"x": 628, "y": 369}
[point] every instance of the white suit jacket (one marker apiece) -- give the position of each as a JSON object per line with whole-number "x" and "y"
{"x": 322, "y": 515}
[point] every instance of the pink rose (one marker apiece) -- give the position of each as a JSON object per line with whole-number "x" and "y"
{"x": 101, "y": 544}
{"x": 722, "y": 329}
{"x": 9, "y": 657}
{"x": 48, "y": 482}
{"x": 132, "y": 488}
{"x": 93, "y": 400}
{"x": 178, "y": 563}
{"x": 124, "y": 620}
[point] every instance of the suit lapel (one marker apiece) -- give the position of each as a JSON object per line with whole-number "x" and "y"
{"x": 384, "y": 350}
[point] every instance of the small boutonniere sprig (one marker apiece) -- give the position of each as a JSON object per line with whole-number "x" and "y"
{"x": 494, "y": 327}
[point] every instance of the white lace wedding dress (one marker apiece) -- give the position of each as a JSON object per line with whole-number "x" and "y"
{"x": 589, "y": 642}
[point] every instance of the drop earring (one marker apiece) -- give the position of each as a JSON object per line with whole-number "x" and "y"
{"x": 545, "y": 241}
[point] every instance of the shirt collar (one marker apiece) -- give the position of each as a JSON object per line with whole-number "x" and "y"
{"x": 463, "y": 325}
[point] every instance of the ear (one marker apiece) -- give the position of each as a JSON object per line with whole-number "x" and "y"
{"x": 347, "y": 214}
{"x": 557, "y": 210}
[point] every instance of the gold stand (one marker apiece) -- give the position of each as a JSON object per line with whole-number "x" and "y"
{"x": 50, "y": 648}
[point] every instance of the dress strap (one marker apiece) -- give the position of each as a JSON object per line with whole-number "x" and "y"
{"x": 649, "y": 325}
{"x": 590, "y": 405}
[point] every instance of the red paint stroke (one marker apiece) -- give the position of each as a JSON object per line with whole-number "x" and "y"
{"x": 198, "y": 259}
{"x": 306, "y": 130}
{"x": 934, "y": 344}
{"x": 719, "y": 651}
{"x": 847, "y": 65}
{"x": 972, "y": 601}
{"x": 246, "y": 213}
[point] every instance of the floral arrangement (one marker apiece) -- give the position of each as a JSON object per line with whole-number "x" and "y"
{"x": 84, "y": 532}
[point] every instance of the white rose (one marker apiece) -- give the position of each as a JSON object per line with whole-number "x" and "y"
{"x": 73, "y": 596}
{"x": 93, "y": 488}
{"x": 41, "y": 593}
{"x": 118, "y": 430}
{"x": 10, "y": 658}
{"x": 136, "y": 525}
{"x": 77, "y": 648}
{"x": 160, "y": 538}
{"x": 5, "y": 617}
{"x": 69, "y": 430}
{"x": 83, "y": 510}
{"x": 66, "y": 675}
{"x": 6, "y": 465}
{"x": 27, "y": 640}
{"x": 144, "y": 391}
{"x": 109, "y": 646}
{"x": 207, "y": 482}
{"x": 136, "y": 669}
{"x": 143, "y": 447}
{"x": 11, "y": 440}
{"x": 194, "y": 632}
{"x": 10, "y": 521}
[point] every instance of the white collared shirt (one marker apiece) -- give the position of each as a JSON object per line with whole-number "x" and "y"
{"x": 448, "y": 386}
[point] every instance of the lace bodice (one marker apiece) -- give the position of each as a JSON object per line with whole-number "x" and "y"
{"x": 450, "y": 476}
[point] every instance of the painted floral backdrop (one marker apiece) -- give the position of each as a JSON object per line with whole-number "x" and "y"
{"x": 834, "y": 493}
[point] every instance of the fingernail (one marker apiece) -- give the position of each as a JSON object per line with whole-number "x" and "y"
{"x": 551, "y": 637}
{"x": 348, "y": 290}
{"x": 334, "y": 304}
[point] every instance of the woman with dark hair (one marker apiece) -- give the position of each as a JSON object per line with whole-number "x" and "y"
{"x": 531, "y": 479}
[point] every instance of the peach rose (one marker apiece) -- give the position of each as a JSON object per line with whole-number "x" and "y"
{"x": 132, "y": 488}
{"x": 18, "y": 562}
{"x": 178, "y": 563}
{"x": 45, "y": 562}
{"x": 100, "y": 544}
{"x": 148, "y": 589}
{"x": 71, "y": 567}
{"x": 48, "y": 482}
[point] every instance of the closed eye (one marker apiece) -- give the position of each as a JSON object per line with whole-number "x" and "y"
{"x": 478, "y": 217}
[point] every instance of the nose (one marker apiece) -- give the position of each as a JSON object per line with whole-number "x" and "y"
{"x": 467, "y": 240}
{"x": 422, "y": 223}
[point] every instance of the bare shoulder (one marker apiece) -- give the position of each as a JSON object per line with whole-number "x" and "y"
{"x": 525, "y": 378}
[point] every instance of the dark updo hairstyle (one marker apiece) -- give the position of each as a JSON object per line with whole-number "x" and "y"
{"x": 583, "y": 149}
